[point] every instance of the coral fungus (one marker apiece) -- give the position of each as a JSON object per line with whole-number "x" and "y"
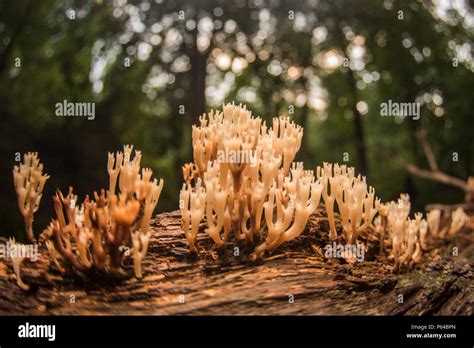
{"x": 98, "y": 234}
{"x": 29, "y": 180}
{"x": 356, "y": 201}
{"x": 17, "y": 260}
{"x": 244, "y": 177}
{"x": 406, "y": 236}
{"x": 243, "y": 183}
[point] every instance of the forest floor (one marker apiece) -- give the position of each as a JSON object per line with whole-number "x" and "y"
{"x": 296, "y": 279}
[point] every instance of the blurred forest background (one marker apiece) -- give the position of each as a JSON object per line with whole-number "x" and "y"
{"x": 327, "y": 63}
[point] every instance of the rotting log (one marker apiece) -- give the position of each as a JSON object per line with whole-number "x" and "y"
{"x": 220, "y": 283}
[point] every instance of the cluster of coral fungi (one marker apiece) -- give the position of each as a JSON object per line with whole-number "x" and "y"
{"x": 98, "y": 234}
{"x": 244, "y": 184}
{"x": 267, "y": 193}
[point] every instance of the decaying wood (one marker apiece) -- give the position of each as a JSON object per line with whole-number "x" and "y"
{"x": 225, "y": 284}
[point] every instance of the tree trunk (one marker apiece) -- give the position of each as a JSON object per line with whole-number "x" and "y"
{"x": 198, "y": 77}
{"x": 294, "y": 280}
{"x": 359, "y": 138}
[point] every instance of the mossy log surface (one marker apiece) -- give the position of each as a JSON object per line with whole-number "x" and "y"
{"x": 220, "y": 283}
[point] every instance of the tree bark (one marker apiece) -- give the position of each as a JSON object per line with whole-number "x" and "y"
{"x": 198, "y": 76}
{"x": 233, "y": 285}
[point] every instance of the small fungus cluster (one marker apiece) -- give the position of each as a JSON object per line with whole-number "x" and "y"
{"x": 98, "y": 234}
{"x": 29, "y": 180}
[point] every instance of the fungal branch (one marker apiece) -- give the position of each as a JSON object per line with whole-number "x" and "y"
{"x": 358, "y": 207}
{"x": 286, "y": 140}
{"x": 356, "y": 201}
{"x": 298, "y": 198}
{"x": 331, "y": 177}
{"x": 17, "y": 260}
{"x": 98, "y": 234}
{"x": 458, "y": 220}
{"x": 29, "y": 181}
{"x": 455, "y": 222}
{"x": 192, "y": 205}
{"x": 406, "y": 237}
{"x": 434, "y": 217}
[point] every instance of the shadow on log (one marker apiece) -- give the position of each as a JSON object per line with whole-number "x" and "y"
{"x": 294, "y": 280}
